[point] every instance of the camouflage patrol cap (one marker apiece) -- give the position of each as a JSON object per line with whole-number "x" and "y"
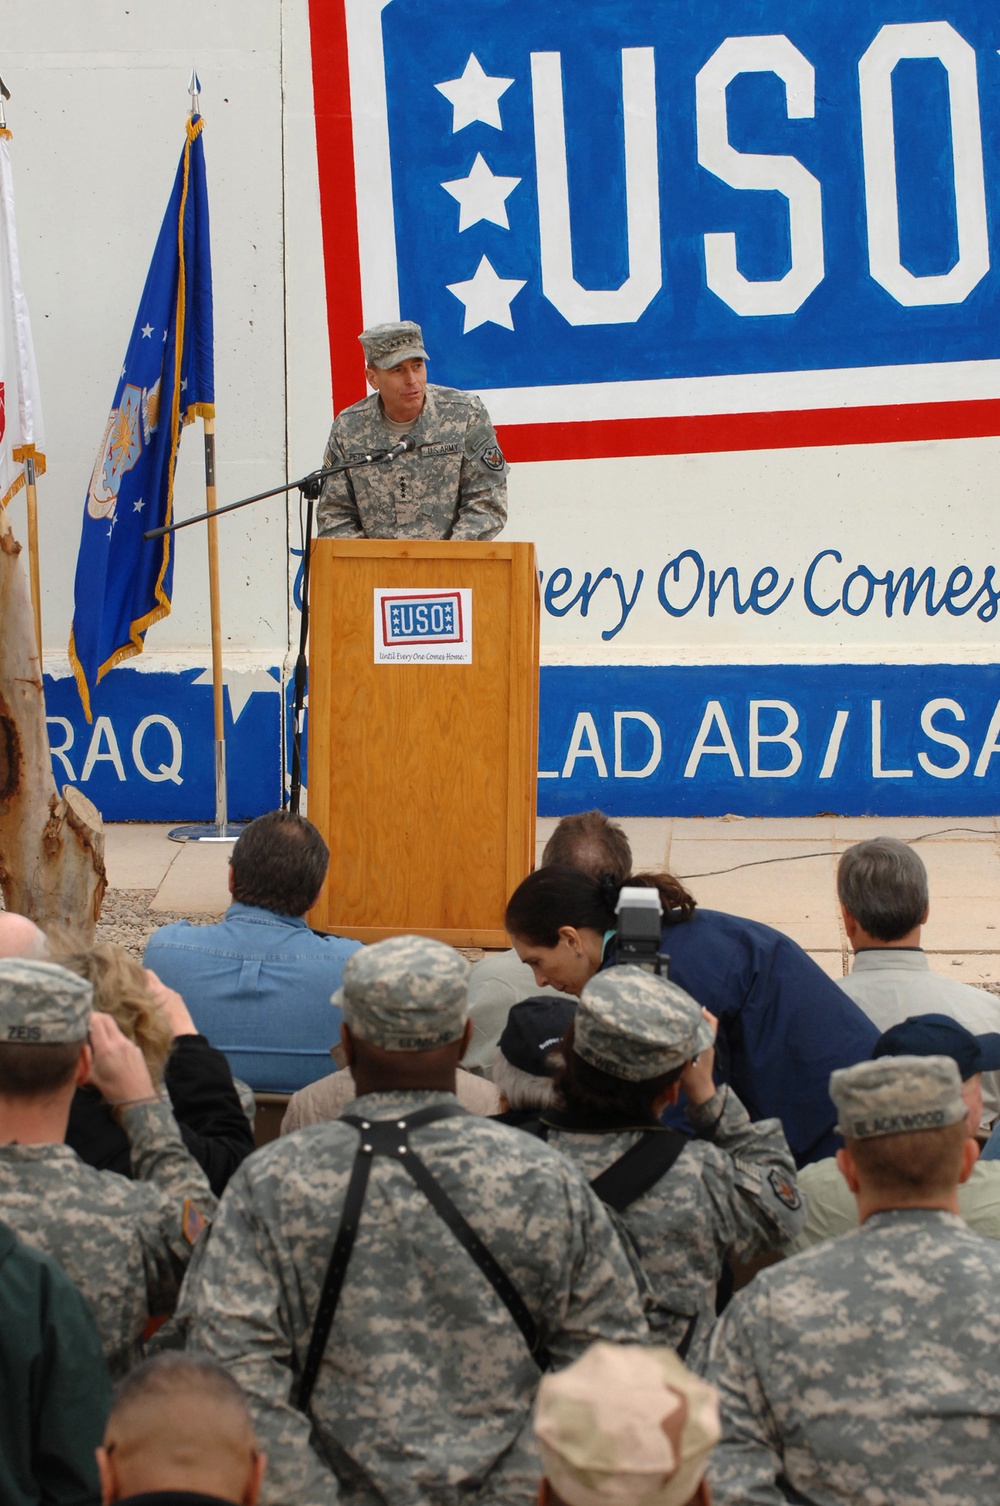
{"x": 626, "y": 1423}
{"x": 388, "y": 345}
{"x": 895, "y": 1095}
{"x": 405, "y": 994}
{"x": 42, "y": 1004}
{"x": 634, "y": 1025}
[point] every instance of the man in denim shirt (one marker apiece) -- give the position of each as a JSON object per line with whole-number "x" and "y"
{"x": 258, "y": 983}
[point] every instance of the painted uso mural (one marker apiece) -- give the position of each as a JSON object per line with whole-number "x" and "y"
{"x": 723, "y": 274}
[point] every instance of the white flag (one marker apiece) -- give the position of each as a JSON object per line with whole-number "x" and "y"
{"x": 20, "y": 404}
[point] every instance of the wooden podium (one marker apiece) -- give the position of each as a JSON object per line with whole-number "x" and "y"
{"x": 422, "y": 776}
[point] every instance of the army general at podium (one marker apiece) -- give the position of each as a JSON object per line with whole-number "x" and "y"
{"x": 452, "y": 481}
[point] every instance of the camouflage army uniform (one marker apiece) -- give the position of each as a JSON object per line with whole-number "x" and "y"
{"x": 453, "y": 485}
{"x": 425, "y": 1390}
{"x": 124, "y": 1243}
{"x": 865, "y": 1370}
{"x": 735, "y": 1193}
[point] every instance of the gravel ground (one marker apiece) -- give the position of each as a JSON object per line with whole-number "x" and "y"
{"x": 127, "y": 919}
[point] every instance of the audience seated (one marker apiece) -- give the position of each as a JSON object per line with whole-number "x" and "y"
{"x": 884, "y": 899}
{"x": 399, "y": 1283}
{"x": 258, "y": 982}
{"x": 54, "y": 1386}
{"x": 197, "y": 1078}
{"x": 124, "y": 1244}
{"x": 180, "y": 1434}
{"x": 528, "y": 1056}
{"x": 832, "y": 1209}
{"x": 635, "y": 1042}
{"x": 868, "y": 1368}
{"x": 625, "y": 1425}
{"x": 590, "y": 842}
{"x": 783, "y": 1024}
{"x": 477, "y": 1257}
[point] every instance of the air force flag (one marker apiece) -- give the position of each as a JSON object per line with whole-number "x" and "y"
{"x": 123, "y": 584}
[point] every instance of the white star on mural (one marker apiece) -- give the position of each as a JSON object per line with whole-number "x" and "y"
{"x": 147, "y": 331}
{"x": 482, "y": 196}
{"x": 241, "y": 685}
{"x": 474, "y": 96}
{"x": 487, "y": 297}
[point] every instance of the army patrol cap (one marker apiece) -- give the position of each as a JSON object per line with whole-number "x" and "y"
{"x": 625, "y": 1424}
{"x": 634, "y": 1025}
{"x": 405, "y": 994}
{"x": 388, "y": 345}
{"x": 42, "y": 1004}
{"x": 896, "y": 1095}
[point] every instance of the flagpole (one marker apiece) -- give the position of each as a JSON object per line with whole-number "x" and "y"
{"x": 215, "y": 607}
{"x": 31, "y": 496}
{"x": 221, "y": 831}
{"x": 31, "y": 493}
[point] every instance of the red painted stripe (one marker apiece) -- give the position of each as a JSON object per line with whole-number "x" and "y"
{"x": 620, "y": 437}
{"x": 338, "y": 199}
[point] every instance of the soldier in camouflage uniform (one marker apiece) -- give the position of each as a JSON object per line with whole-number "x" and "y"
{"x": 452, "y": 484}
{"x": 125, "y": 1244}
{"x": 424, "y": 1391}
{"x": 868, "y": 1368}
{"x": 637, "y": 1041}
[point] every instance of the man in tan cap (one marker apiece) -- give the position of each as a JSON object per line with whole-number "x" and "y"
{"x": 388, "y": 1287}
{"x": 124, "y": 1244}
{"x": 623, "y": 1425}
{"x": 868, "y": 1368}
{"x": 448, "y": 479}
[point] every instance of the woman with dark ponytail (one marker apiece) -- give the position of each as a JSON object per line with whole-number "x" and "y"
{"x": 784, "y": 1026}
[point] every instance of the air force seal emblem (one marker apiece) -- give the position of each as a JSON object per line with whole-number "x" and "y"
{"x": 128, "y": 428}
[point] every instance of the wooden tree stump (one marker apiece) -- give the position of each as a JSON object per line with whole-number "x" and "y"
{"x": 51, "y": 845}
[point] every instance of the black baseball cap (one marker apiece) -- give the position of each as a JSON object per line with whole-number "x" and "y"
{"x": 940, "y": 1035}
{"x": 533, "y": 1030}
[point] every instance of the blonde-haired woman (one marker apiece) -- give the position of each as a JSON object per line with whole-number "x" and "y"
{"x": 181, "y": 1062}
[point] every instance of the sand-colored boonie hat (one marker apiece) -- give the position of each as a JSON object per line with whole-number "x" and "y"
{"x": 626, "y": 1424}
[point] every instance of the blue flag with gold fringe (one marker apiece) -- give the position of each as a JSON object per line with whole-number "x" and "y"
{"x": 123, "y": 583}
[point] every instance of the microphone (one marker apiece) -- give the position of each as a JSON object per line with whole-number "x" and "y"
{"x": 406, "y": 444}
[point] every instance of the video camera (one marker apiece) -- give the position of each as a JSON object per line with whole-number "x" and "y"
{"x": 640, "y": 917}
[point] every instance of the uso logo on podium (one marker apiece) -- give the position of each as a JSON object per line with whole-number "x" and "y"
{"x": 423, "y": 627}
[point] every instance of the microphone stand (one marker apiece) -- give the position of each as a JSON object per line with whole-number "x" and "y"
{"x": 310, "y": 487}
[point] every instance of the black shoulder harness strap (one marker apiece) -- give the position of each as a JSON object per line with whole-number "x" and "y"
{"x": 634, "y": 1173}
{"x": 626, "y": 1179}
{"x": 390, "y": 1137}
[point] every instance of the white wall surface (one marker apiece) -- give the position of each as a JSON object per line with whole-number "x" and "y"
{"x": 98, "y": 108}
